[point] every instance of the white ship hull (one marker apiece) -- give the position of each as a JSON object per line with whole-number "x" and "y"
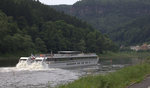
{"x": 70, "y": 64}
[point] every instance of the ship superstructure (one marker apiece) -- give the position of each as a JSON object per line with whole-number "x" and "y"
{"x": 63, "y": 59}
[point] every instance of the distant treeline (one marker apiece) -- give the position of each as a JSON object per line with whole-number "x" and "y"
{"x": 29, "y": 26}
{"x": 125, "y": 21}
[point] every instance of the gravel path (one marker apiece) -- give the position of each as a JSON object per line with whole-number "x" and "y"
{"x": 144, "y": 84}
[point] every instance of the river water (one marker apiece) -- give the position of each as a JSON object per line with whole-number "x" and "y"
{"x": 35, "y": 76}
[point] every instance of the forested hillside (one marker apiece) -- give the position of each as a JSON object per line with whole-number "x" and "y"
{"x": 27, "y": 26}
{"x": 113, "y": 17}
{"x": 136, "y": 32}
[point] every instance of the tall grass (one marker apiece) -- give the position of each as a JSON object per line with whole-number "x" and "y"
{"x": 118, "y": 79}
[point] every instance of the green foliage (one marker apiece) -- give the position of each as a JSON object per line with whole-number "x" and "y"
{"x": 136, "y": 32}
{"x": 125, "y": 21}
{"x": 62, "y": 36}
{"x": 125, "y": 55}
{"x": 118, "y": 79}
{"x": 81, "y": 45}
{"x": 28, "y": 26}
{"x": 40, "y": 45}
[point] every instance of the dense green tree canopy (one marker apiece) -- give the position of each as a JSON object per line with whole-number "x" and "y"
{"x": 125, "y": 21}
{"x": 29, "y": 26}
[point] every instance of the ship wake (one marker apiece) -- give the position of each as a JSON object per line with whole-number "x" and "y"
{"x": 34, "y": 76}
{"x": 34, "y": 66}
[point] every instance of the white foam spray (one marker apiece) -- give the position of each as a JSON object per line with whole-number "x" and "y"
{"x": 33, "y": 66}
{"x": 34, "y": 75}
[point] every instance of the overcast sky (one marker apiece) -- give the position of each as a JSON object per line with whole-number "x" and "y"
{"x": 57, "y": 2}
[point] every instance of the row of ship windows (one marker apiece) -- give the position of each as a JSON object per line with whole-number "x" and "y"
{"x": 64, "y": 59}
{"x": 73, "y": 63}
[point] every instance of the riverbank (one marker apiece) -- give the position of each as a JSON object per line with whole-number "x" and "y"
{"x": 10, "y": 60}
{"x": 119, "y": 79}
{"x": 125, "y": 54}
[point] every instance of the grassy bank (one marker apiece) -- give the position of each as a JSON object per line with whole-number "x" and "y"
{"x": 118, "y": 79}
{"x": 125, "y": 54}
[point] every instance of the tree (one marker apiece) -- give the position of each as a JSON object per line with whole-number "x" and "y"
{"x": 81, "y": 45}
{"x": 40, "y": 45}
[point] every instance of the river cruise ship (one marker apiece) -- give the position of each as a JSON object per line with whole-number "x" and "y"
{"x": 63, "y": 59}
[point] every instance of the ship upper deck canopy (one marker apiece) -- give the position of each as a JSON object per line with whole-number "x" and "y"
{"x": 69, "y": 52}
{"x": 24, "y": 58}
